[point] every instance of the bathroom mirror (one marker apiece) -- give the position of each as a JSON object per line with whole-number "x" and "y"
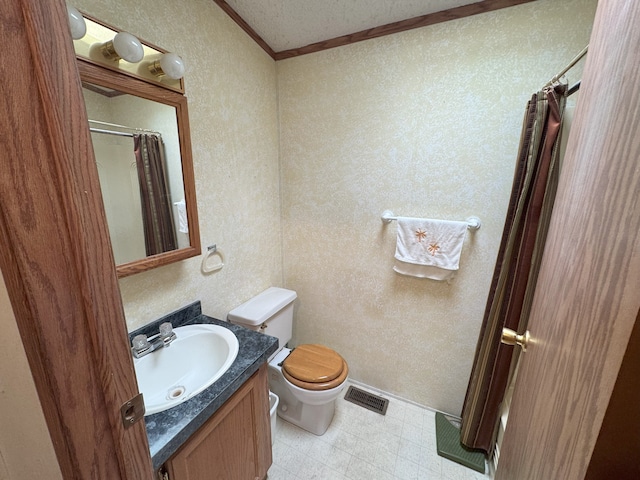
{"x": 141, "y": 140}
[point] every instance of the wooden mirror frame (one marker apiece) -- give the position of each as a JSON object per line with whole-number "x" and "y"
{"x": 92, "y": 73}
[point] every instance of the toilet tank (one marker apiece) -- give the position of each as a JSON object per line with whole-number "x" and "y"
{"x": 269, "y": 312}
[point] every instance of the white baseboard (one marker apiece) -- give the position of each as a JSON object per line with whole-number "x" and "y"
{"x": 382, "y": 393}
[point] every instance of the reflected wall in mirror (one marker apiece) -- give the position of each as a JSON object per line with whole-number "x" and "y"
{"x": 140, "y": 135}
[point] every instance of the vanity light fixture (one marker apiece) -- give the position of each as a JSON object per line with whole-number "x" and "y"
{"x": 106, "y": 45}
{"x": 76, "y": 23}
{"x": 123, "y": 46}
{"x": 169, "y": 64}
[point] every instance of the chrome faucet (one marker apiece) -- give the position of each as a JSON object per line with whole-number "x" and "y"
{"x": 141, "y": 345}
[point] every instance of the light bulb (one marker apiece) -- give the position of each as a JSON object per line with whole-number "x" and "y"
{"x": 128, "y": 47}
{"x": 76, "y": 23}
{"x": 170, "y": 64}
{"x": 123, "y": 46}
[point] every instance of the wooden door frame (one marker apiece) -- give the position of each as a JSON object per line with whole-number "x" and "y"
{"x": 56, "y": 255}
{"x": 586, "y": 300}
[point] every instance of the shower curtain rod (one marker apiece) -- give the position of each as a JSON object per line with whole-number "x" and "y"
{"x": 568, "y": 67}
{"x": 107, "y": 124}
{"x": 110, "y": 132}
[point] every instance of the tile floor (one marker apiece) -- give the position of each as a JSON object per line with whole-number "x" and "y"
{"x": 364, "y": 445}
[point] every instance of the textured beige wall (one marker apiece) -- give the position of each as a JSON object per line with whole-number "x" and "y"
{"x": 425, "y": 123}
{"x": 26, "y": 450}
{"x": 231, "y": 86}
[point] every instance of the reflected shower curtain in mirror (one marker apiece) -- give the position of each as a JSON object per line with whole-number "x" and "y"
{"x": 516, "y": 270}
{"x": 157, "y": 214}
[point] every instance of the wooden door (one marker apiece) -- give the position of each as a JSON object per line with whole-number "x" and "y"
{"x": 588, "y": 292}
{"x": 55, "y": 253}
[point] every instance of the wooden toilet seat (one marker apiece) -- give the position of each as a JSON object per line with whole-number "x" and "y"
{"x": 315, "y": 367}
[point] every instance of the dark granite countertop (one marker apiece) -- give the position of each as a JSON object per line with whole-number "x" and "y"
{"x": 168, "y": 430}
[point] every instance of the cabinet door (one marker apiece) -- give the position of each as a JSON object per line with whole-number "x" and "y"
{"x": 235, "y": 444}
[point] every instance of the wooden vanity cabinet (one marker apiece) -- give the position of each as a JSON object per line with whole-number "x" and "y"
{"x": 234, "y": 444}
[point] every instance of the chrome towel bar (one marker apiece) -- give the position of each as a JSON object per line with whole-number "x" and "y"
{"x": 473, "y": 223}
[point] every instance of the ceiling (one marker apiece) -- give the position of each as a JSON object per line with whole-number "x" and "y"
{"x": 291, "y": 24}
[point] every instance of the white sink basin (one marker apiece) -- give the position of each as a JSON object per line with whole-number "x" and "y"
{"x": 199, "y": 356}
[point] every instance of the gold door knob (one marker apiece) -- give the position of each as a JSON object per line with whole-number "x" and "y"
{"x": 509, "y": 337}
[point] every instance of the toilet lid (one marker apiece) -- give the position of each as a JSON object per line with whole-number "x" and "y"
{"x": 314, "y": 364}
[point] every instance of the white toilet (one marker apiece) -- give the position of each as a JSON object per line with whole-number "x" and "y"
{"x": 309, "y": 378}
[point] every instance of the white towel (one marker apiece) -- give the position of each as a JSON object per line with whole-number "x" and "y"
{"x": 183, "y": 225}
{"x": 429, "y": 248}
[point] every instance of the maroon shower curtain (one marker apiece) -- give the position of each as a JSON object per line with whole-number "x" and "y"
{"x": 517, "y": 265}
{"x": 157, "y": 213}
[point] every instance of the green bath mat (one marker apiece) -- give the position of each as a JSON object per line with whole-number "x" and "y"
{"x": 449, "y": 446}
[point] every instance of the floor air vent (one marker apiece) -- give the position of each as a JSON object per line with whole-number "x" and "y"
{"x": 367, "y": 400}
